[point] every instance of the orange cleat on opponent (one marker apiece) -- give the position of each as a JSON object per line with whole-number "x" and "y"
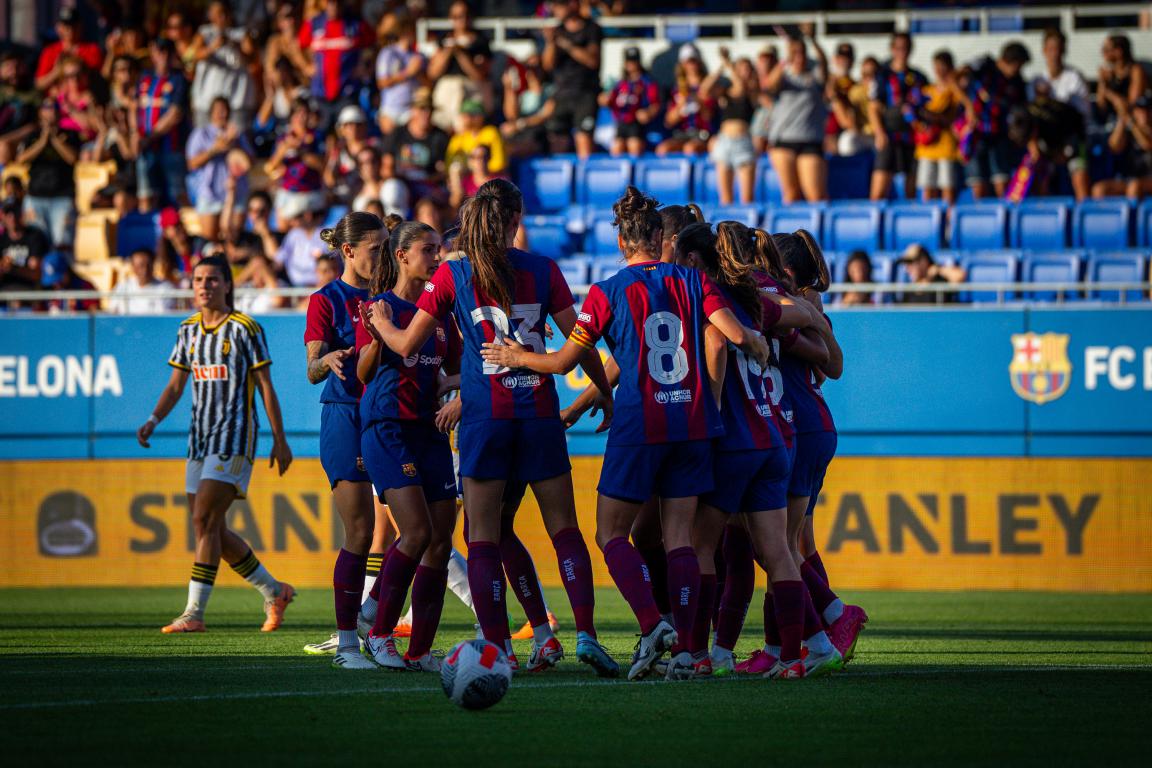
{"x": 184, "y": 623}
{"x": 274, "y": 608}
{"x": 525, "y": 632}
{"x": 403, "y": 628}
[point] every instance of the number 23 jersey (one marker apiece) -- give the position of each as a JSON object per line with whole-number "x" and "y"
{"x": 652, "y": 315}
{"x": 490, "y": 391}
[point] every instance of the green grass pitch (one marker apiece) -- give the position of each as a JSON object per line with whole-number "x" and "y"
{"x": 978, "y": 678}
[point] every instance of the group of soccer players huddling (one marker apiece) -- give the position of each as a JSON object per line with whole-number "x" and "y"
{"x": 718, "y": 437}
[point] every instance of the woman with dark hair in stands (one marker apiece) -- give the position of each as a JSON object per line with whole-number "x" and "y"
{"x": 1121, "y": 79}
{"x": 732, "y": 149}
{"x": 691, "y": 113}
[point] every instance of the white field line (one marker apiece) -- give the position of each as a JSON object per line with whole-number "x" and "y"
{"x": 584, "y": 683}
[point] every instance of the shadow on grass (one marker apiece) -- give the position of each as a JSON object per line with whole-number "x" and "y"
{"x": 1109, "y": 634}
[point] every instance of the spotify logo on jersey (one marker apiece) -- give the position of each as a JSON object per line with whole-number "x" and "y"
{"x": 66, "y": 526}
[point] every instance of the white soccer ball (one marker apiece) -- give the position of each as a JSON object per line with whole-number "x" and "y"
{"x": 476, "y": 674}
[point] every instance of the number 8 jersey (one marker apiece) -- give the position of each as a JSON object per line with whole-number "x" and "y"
{"x": 490, "y": 391}
{"x": 652, "y": 315}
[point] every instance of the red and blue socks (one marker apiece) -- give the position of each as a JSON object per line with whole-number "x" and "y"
{"x": 828, "y": 605}
{"x": 427, "y": 604}
{"x": 576, "y": 572}
{"x": 739, "y": 585}
{"x": 486, "y": 581}
{"x": 632, "y": 579}
{"x": 771, "y": 626}
{"x": 347, "y": 588}
{"x": 698, "y": 643}
{"x": 683, "y": 592}
{"x": 788, "y": 597}
{"x": 656, "y": 563}
{"x": 394, "y": 581}
{"x": 522, "y": 578}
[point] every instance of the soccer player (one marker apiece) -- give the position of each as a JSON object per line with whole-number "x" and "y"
{"x": 510, "y": 429}
{"x": 815, "y": 438}
{"x": 407, "y": 457}
{"x": 227, "y": 357}
{"x": 330, "y": 339}
{"x": 660, "y": 441}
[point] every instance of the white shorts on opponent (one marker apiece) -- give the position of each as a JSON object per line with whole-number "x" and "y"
{"x": 235, "y": 470}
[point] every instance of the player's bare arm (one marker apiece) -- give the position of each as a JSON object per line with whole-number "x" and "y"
{"x": 281, "y": 455}
{"x": 321, "y": 362}
{"x": 168, "y": 399}
{"x": 741, "y": 335}
{"x": 716, "y": 357}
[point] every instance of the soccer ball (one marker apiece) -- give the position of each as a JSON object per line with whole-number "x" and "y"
{"x": 476, "y": 674}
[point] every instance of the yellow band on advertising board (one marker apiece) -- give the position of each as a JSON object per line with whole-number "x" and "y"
{"x": 884, "y": 523}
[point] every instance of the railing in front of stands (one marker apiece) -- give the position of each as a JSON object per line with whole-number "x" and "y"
{"x": 991, "y": 294}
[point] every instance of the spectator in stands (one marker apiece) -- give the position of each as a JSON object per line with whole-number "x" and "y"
{"x": 796, "y": 132}
{"x": 691, "y": 113}
{"x": 840, "y": 82}
{"x": 215, "y": 152}
{"x": 924, "y": 271}
{"x": 528, "y": 106}
{"x": 327, "y": 270}
{"x": 122, "y": 92}
{"x": 473, "y": 132}
{"x": 117, "y": 142}
{"x": 223, "y": 53}
{"x": 18, "y": 103}
{"x": 298, "y": 164}
{"x": 48, "y": 69}
{"x": 176, "y": 246}
{"x": 459, "y": 69}
{"x": 391, "y": 193}
{"x": 936, "y": 148}
{"x": 895, "y": 101}
{"x": 399, "y": 69}
{"x": 635, "y": 103}
{"x": 128, "y": 40}
{"x": 182, "y": 32}
{"x": 259, "y": 222}
{"x": 857, "y": 270}
{"x": 342, "y": 169}
{"x": 1064, "y": 83}
{"x": 1053, "y": 134}
{"x": 1131, "y": 143}
{"x": 302, "y": 245}
{"x": 1121, "y": 76}
{"x": 430, "y": 211}
{"x": 162, "y": 102}
{"x": 856, "y": 132}
{"x": 732, "y": 149}
{"x": 994, "y": 87}
{"x": 13, "y": 190}
{"x": 56, "y": 274}
{"x": 766, "y": 61}
{"x": 137, "y": 293}
{"x": 335, "y": 38}
{"x": 22, "y": 247}
{"x": 572, "y": 57}
{"x": 283, "y": 46}
{"x": 281, "y": 90}
{"x": 76, "y": 104}
{"x": 51, "y": 154}
{"x": 415, "y": 152}
{"x": 464, "y": 180}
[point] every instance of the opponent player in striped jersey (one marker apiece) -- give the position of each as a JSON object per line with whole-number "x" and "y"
{"x": 225, "y": 353}
{"x": 330, "y": 339}
{"x": 660, "y": 442}
{"x": 510, "y": 430}
{"x": 407, "y": 457}
{"x": 815, "y": 438}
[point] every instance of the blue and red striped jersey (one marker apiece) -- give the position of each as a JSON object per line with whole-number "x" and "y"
{"x": 406, "y": 387}
{"x": 630, "y": 96}
{"x": 773, "y": 377}
{"x": 336, "y": 46}
{"x": 749, "y": 419}
{"x": 652, "y": 316}
{"x": 803, "y": 401}
{"x": 993, "y": 95}
{"x": 902, "y": 95}
{"x": 158, "y": 94}
{"x": 491, "y": 391}
{"x": 333, "y": 314}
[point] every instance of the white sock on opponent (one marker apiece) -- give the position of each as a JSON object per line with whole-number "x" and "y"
{"x": 198, "y": 594}
{"x": 347, "y": 640}
{"x": 833, "y": 611}
{"x": 368, "y": 609}
{"x": 254, "y": 572}
{"x": 458, "y": 578}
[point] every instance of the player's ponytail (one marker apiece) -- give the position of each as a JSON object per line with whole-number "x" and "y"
{"x": 803, "y": 257}
{"x": 638, "y": 222}
{"x": 485, "y": 221}
{"x": 674, "y": 218}
{"x": 221, "y": 265}
{"x": 723, "y": 266}
{"x": 351, "y": 230}
{"x": 387, "y": 272}
{"x": 768, "y": 256}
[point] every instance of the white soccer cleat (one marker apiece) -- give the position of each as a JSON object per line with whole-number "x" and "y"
{"x": 817, "y": 664}
{"x": 681, "y": 667}
{"x": 383, "y": 652}
{"x": 723, "y": 661}
{"x": 352, "y": 660}
{"x": 649, "y": 649}
{"x": 545, "y": 656}
{"x": 426, "y": 663}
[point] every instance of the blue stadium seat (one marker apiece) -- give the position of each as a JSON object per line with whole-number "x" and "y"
{"x": 704, "y": 183}
{"x": 605, "y": 266}
{"x": 1144, "y": 224}
{"x": 1059, "y": 267}
{"x": 548, "y": 236}
{"x": 601, "y": 180}
{"x": 600, "y": 239}
{"x": 849, "y": 176}
{"x": 546, "y": 183}
{"x": 940, "y": 25}
{"x": 789, "y": 218}
{"x": 990, "y": 267}
{"x": 767, "y": 184}
{"x": 668, "y": 179}
{"x": 1102, "y": 224}
{"x": 1117, "y": 267}
{"x": 576, "y": 269}
{"x": 335, "y": 213}
{"x": 852, "y": 226}
{"x": 1001, "y": 22}
{"x": 1039, "y": 225}
{"x": 136, "y": 231}
{"x": 749, "y": 215}
{"x": 908, "y": 223}
{"x": 979, "y": 226}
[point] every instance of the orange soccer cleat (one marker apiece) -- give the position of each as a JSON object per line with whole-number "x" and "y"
{"x": 403, "y": 628}
{"x": 525, "y": 632}
{"x": 274, "y": 608}
{"x": 184, "y": 623}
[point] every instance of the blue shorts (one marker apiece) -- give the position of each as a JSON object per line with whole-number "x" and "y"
{"x": 340, "y": 443}
{"x": 750, "y": 481}
{"x": 814, "y": 452}
{"x": 669, "y": 470}
{"x": 399, "y": 454}
{"x": 516, "y": 450}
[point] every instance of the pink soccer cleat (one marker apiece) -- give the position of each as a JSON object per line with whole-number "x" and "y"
{"x": 756, "y": 664}
{"x": 845, "y": 631}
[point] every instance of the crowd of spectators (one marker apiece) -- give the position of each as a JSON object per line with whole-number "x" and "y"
{"x": 262, "y": 116}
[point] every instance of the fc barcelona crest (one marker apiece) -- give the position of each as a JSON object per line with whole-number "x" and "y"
{"x": 1040, "y": 369}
